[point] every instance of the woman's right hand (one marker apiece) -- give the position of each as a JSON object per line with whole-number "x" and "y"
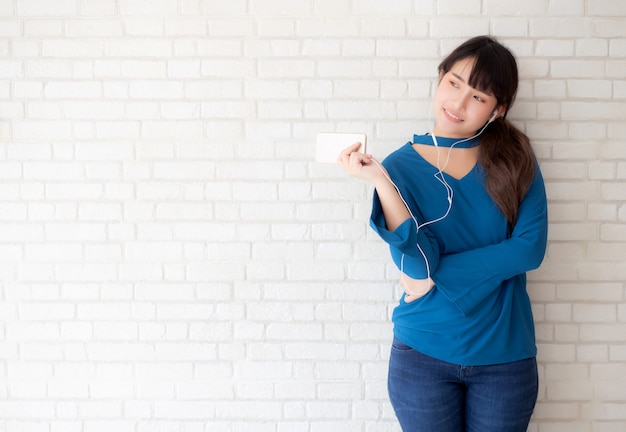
{"x": 365, "y": 167}
{"x": 360, "y": 165}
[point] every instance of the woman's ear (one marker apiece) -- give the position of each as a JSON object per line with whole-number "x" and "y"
{"x": 499, "y": 111}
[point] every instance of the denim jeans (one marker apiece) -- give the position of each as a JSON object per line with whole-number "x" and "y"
{"x": 430, "y": 395}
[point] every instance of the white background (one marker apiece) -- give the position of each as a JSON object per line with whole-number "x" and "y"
{"x": 172, "y": 258}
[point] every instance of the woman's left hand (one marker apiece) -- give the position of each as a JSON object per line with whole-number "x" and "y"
{"x": 415, "y": 288}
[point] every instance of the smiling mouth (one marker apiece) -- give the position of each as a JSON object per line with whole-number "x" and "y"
{"x": 452, "y": 116}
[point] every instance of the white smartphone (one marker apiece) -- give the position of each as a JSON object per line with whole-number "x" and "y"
{"x": 328, "y": 145}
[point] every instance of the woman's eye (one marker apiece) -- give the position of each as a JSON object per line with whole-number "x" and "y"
{"x": 478, "y": 98}
{"x": 454, "y": 84}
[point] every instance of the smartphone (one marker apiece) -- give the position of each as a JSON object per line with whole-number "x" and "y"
{"x": 328, "y": 145}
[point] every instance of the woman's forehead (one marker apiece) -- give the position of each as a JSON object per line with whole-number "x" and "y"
{"x": 463, "y": 67}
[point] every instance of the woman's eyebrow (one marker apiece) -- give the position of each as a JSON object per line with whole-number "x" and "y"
{"x": 457, "y": 76}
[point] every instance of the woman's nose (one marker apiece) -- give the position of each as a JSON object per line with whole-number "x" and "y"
{"x": 460, "y": 102}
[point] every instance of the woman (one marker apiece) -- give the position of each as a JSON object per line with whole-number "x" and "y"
{"x": 464, "y": 212}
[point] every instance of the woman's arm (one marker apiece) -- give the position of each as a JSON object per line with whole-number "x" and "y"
{"x": 467, "y": 278}
{"x": 392, "y": 221}
{"x": 364, "y": 166}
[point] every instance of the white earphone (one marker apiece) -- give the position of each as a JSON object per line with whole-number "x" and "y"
{"x": 493, "y": 116}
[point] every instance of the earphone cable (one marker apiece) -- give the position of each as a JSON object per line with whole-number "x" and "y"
{"x": 439, "y": 175}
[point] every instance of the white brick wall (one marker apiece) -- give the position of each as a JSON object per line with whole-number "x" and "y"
{"x": 172, "y": 259}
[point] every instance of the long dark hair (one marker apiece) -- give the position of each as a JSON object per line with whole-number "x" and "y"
{"x": 505, "y": 151}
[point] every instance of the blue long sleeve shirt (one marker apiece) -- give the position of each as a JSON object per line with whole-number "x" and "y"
{"x": 478, "y": 312}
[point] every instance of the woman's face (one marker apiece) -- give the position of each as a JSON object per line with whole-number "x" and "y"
{"x": 461, "y": 110}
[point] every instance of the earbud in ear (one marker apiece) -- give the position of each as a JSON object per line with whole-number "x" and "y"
{"x": 494, "y": 115}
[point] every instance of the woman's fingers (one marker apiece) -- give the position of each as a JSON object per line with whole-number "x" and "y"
{"x": 354, "y": 161}
{"x": 415, "y": 288}
{"x": 359, "y": 165}
{"x": 345, "y": 153}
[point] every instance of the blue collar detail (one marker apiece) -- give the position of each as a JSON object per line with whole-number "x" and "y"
{"x": 446, "y": 142}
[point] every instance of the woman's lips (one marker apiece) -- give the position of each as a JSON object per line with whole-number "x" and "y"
{"x": 452, "y": 117}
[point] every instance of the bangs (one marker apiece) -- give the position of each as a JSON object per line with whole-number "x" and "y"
{"x": 482, "y": 74}
{"x": 490, "y": 74}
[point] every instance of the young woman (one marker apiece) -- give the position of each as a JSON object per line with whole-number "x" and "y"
{"x": 464, "y": 212}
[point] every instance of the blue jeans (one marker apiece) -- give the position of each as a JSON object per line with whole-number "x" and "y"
{"x": 430, "y": 395}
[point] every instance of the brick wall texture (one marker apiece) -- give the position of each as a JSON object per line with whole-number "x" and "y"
{"x": 173, "y": 259}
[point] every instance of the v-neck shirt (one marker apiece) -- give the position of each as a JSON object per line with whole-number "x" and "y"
{"x": 478, "y": 312}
